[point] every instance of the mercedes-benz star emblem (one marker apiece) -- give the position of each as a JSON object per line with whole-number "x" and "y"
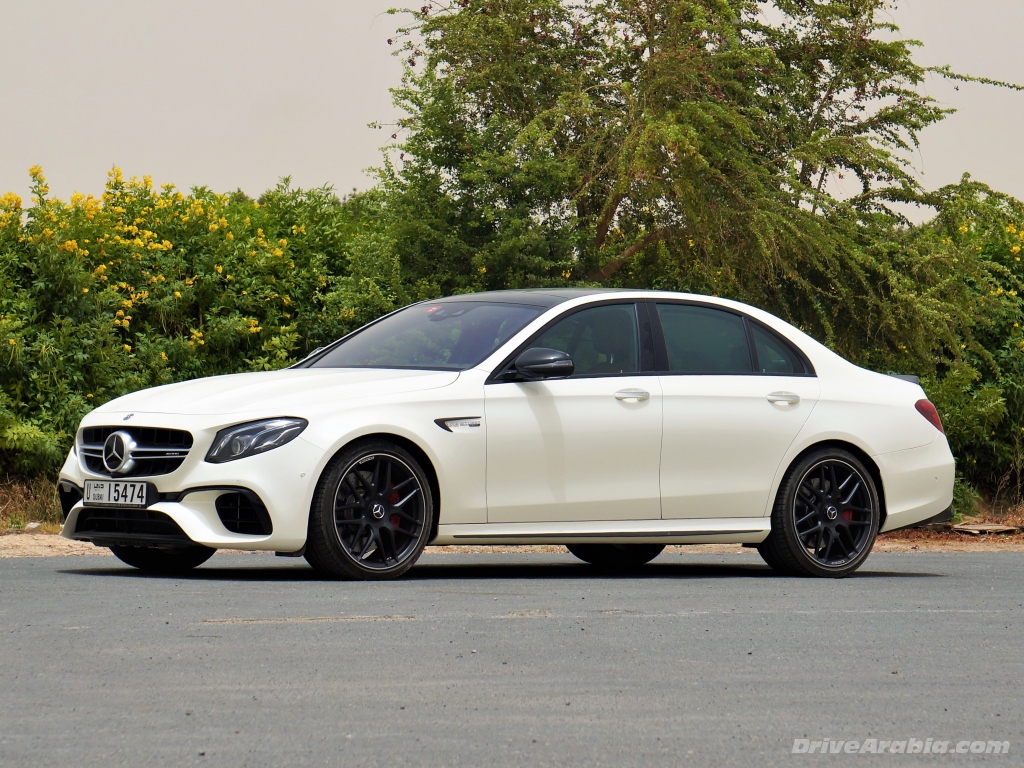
{"x": 117, "y": 453}
{"x": 832, "y": 513}
{"x": 378, "y": 510}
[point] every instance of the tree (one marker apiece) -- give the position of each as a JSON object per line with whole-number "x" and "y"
{"x": 686, "y": 144}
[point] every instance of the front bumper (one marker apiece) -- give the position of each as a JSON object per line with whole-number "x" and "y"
{"x": 283, "y": 480}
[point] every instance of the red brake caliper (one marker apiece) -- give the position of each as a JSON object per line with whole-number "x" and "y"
{"x": 395, "y": 520}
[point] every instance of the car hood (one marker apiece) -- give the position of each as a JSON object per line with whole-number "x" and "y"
{"x": 284, "y": 393}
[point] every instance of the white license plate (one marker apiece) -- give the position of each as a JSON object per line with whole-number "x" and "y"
{"x": 110, "y": 493}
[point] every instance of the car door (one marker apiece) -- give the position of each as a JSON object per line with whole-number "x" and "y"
{"x": 586, "y": 447}
{"x": 735, "y": 396}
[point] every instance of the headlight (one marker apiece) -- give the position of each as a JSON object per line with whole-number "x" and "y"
{"x": 243, "y": 440}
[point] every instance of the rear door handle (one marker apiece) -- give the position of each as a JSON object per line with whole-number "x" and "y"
{"x": 632, "y": 395}
{"x": 790, "y": 398}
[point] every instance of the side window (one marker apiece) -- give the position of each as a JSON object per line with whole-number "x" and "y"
{"x": 773, "y": 354}
{"x": 704, "y": 340}
{"x": 601, "y": 340}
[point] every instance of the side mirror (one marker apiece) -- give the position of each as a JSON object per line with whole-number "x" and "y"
{"x": 539, "y": 364}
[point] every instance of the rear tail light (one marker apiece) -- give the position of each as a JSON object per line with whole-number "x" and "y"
{"x": 926, "y": 409}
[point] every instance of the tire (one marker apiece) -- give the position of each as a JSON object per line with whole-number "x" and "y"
{"x": 372, "y": 513}
{"x": 825, "y": 518}
{"x": 616, "y": 556}
{"x": 153, "y": 560}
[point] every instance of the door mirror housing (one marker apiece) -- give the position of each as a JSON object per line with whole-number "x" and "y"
{"x": 540, "y": 364}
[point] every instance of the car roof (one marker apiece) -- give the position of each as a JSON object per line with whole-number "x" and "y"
{"x": 540, "y": 297}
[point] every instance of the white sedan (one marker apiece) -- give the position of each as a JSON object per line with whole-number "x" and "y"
{"x": 613, "y": 422}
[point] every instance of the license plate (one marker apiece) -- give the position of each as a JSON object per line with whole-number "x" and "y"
{"x": 110, "y": 493}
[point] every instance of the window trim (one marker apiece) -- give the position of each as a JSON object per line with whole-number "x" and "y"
{"x": 645, "y": 330}
{"x": 661, "y": 346}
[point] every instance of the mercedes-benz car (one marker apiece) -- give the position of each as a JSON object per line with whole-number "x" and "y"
{"x": 611, "y": 422}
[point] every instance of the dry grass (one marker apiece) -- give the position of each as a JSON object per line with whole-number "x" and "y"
{"x": 29, "y": 500}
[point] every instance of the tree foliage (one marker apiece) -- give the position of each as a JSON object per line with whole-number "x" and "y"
{"x": 717, "y": 146}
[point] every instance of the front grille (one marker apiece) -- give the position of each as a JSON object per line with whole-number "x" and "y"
{"x": 157, "y": 451}
{"x": 241, "y": 513}
{"x": 131, "y": 522}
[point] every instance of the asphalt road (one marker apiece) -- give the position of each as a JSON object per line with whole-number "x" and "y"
{"x": 480, "y": 660}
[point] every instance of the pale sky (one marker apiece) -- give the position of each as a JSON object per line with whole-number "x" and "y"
{"x": 232, "y": 94}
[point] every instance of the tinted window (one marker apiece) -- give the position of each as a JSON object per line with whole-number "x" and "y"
{"x": 450, "y": 335}
{"x": 703, "y": 340}
{"x": 602, "y": 340}
{"x": 773, "y": 354}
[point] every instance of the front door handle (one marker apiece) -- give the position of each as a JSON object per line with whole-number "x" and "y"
{"x": 632, "y": 395}
{"x": 790, "y": 398}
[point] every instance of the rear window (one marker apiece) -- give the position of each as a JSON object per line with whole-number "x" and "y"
{"x": 447, "y": 336}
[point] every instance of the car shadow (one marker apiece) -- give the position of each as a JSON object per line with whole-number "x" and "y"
{"x": 477, "y": 571}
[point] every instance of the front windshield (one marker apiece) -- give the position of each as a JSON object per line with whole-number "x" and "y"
{"x": 448, "y": 336}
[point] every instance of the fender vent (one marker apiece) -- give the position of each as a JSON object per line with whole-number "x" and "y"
{"x": 244, "y": 513}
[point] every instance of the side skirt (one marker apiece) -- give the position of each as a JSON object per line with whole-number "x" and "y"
{"x": 742, "y": 530}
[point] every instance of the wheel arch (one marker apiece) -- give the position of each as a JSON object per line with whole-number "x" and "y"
{"x": 868, "y": 462}
{"x": 418, "y": 453}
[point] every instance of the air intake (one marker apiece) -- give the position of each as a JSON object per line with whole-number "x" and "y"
{"x": 244, "y": 513}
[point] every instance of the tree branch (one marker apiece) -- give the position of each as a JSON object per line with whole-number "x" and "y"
{"x": 606, "y": 220}
{"x": 610, "y": 268}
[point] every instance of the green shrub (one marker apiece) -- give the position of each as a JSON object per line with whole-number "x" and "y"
{"x": 140, "y": 287}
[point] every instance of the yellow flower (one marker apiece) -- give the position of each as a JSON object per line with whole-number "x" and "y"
{"x": 1015, "y": 249}
{"x": 120, "y": 313}
{"x": 89, "y": 395}
{"x": 12, "y": 342}
{"x": 283, "y": 243}
{"x": 177, "y": 294}
{"x": 127, "y": 347}
{"x": 230, "y": 236}
{"x": 213, "y": 227}
{"x": 163, "y": 356}
{"x": 219, "y": 268}
{"x": 85, "y": 290}
{"x": 963, "y": 228}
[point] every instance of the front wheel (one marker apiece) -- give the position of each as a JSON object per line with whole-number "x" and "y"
{"x": 826, "y": 517}
{"x": 616, "y": 556}
{"x": 372, "y": 513}
{"x": 170, "y": 561}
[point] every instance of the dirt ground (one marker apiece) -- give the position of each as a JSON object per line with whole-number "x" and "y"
{"x": 13, "y": 544}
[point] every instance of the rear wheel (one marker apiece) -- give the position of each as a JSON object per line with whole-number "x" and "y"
{"x": 155, "y": 560}
{"x": 372, "y": 513}
{"x": 825, "y": 518}
{"x": 618, "y": 556}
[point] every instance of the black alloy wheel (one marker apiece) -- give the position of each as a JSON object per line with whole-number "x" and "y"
{"x": 372, "y": 514}
{"x": 826, "y": 517}
{"x": 616, "y": 556}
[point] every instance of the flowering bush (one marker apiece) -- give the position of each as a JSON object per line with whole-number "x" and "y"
{"x": 140, "y": 287}
{"x": 143, "y": 286}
